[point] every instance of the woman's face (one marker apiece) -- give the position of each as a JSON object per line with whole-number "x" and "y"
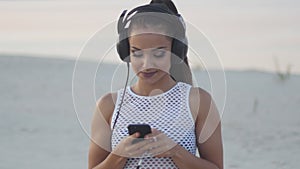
{"x": 150, "y": 56}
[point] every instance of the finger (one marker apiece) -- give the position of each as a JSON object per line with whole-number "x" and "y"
{"x": 169, "y": 153}
{"x": 139, "y": 153}
{"x": 154, "y": 145}
{"x": 157, "y": 151}
{"x": 156, "y": 141}
{"x": 135, "y": 135}
{"x": 154, "y": 132}
{"x": 132, "y": 147}
{"x": 132, "y": 137}
{"x": 142, "y": 142}
{"x": 149, "y": 146}
{"x": 128, "y": 139}
{"x": 156, "y": 138}
{"x": 134, "y": 154}
{"x": 162, "y": 148}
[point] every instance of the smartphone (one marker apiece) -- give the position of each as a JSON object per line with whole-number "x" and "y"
{"x": 143, "y": 129}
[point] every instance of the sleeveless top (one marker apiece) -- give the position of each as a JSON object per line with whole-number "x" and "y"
{"x": 168, "y": 112}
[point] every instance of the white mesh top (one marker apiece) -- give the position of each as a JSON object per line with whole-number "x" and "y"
{"x": 168, "y": 112}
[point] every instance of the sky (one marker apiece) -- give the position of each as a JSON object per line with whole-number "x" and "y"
{"x": 245, "y": 34}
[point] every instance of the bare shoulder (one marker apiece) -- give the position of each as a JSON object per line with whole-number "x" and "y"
{"x": 199, "y": 92}
{"x": 100, "y": 126}
{"x": 106, "y": 105}
{"x": 200, "y": 102}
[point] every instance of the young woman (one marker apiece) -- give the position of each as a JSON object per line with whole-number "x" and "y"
{"x": 183, "y": 118}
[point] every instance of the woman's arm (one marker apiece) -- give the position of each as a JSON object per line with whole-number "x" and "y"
{"x": 213, "y": 160}
{"x": 208, "y": 132}
{"x": 101, "y": 159}
{"x": 100, "y": 147}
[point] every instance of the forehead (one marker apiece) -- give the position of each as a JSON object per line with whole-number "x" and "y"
{"x": 149, "y": 40}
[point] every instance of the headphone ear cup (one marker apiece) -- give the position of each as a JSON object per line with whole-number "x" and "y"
{"x": 179, "y": 50}
{"x": 123, "y": 47}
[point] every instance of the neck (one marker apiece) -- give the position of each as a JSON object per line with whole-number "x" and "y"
{"x": 146, "y": 89}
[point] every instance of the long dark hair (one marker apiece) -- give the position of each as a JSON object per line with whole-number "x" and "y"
{"x": 179, "y": 71}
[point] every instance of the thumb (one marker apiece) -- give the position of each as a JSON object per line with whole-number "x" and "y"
{"x": 135, "y": 135}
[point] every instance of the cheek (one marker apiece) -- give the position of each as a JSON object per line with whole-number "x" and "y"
{"x": 164, "y": 64}
{"x": 135, "y": 64}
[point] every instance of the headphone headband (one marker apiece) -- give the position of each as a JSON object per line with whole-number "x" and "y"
{"x": 179, "y": 45}
{"x": 162, "y": 8}
{"x": 121, "y": 21}
{"x": 153, "y": 8}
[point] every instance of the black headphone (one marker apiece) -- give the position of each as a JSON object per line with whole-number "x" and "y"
{"x": 179, "y": 43}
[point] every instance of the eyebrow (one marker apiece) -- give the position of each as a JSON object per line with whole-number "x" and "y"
{"x": 161, "y": 47}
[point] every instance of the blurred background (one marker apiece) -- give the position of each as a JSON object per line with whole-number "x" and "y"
{"x": 246, "y": 34}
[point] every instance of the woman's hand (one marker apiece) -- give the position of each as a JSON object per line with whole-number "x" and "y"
{"x": 160, "y": 145}
{"x": 128, "y": 148}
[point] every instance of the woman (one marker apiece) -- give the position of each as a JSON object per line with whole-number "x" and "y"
{"x": 182, "y": 117}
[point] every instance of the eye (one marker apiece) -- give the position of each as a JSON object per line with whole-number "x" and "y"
{"x": 136, "y": 53}
{"x": 159, "y": 53}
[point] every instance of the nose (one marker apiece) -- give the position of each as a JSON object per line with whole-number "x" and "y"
{"x": 147, "y": 62}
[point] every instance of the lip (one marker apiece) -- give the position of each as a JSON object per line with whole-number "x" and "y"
{"x": 148, "y": 74}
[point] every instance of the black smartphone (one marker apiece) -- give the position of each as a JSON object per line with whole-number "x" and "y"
{"x": 143, "y": 129}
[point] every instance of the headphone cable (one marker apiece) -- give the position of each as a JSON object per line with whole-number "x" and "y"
{"x": 123, "y": 95}
{"x": 139, "y": 163}
{"x": 118, "y": 112}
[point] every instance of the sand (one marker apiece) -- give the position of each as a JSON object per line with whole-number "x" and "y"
{"x": 39, "y": 127}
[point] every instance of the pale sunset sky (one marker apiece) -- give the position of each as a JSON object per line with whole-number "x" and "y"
{"x": 246, "y": 34}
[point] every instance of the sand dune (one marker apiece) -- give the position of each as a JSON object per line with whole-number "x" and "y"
{"x": 39, "y": 127}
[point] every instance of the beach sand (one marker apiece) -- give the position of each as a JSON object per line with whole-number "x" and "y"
{"x": 39, "y": 127}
